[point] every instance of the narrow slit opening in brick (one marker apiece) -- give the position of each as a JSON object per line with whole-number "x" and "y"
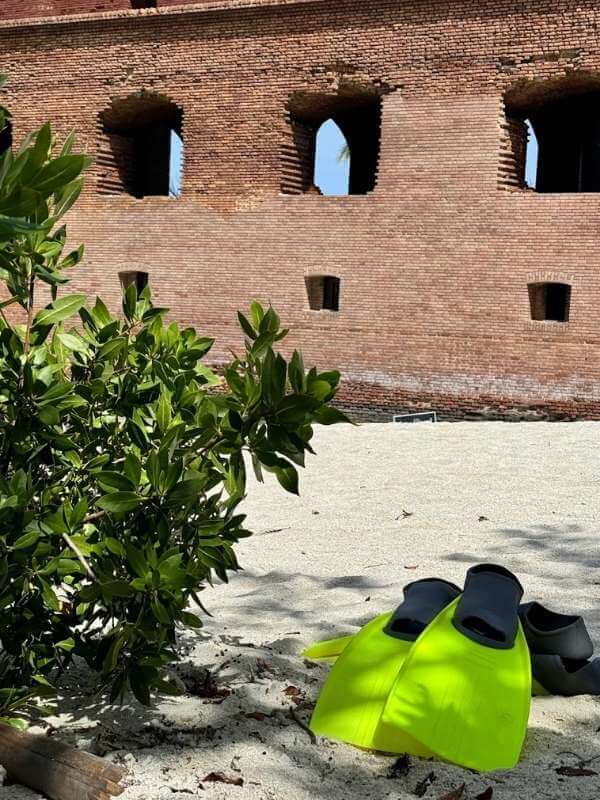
{"x": 550, "y": 301}
{"x": 323, "y": 292}
{"x": 143, "y": 3}
{"x": 353, "y": 111}
{"x": 142, "y": 149}
{"x": 133, "y": 277}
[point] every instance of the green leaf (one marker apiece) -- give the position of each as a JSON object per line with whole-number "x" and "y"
{"x": 256, "y": 313}
{"x": 112, "y": 589}
{"x": 112, "y": 348}
{"x": 79, "y": 513}
{"x": 139, "y": 686}
{"x": 130, "y": 301}
{"x": 110, "y": 480}
{"x": 66, "y": 644}
{"x": 59, "y": 172}
{"x": 190, "y": 619}
{"x": 27, "y": 540}
{"x": 163, "y": 414}
{"x": 137, "y": 561}
{"x": 246, "y": 326}
{"x": 75, "y": 343}
{"x": 59, "y": 310}
{"x": 328, "y": 415}
{"x": 133, "y": 468}
{"x": 185, "y": 492}
{"x": 119, "y": 502}
{"x": 160, "y": 612}
{"x": 114, "y": 546}
{"x": 288, "y": 478}
{"x": 50, "y": 598}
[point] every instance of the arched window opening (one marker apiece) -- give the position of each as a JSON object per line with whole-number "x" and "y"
{"x": 558, "y": 147}
{"x": 318, "y": 126}
{"x": 550, "y": 301}
{"x": 531, "y": 157}
{"x": 332, "y": 160}
{"x": 142, "y": 148}
{"x": 323, "y": 292}
{"x": 133, "y": 277}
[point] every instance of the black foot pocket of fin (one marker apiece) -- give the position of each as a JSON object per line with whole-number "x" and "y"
{"x": 551, "y": 633}
{"x": 565, "y": 676}
{"x": 423, "y": 601}
{"x": 487, "y": 612}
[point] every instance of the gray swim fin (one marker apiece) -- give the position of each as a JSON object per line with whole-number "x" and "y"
{"x": 560, "y": 647}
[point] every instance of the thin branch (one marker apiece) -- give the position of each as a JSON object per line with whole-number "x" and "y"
{"x": 80, "y": 556}
{"x": 29, "y": 312}
{"x": 95, "y": 515}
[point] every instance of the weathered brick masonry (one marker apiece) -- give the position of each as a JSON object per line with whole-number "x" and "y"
{"x": 434, "y": 263}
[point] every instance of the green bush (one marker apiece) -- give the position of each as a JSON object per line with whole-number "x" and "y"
{"x": 122, "y": 459}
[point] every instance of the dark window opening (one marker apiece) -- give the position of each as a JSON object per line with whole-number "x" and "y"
{"x": 142, "y": 151}
{"x": 323, "y": 292}
{"x": 568, "y": 132}
{"x": 137, "y": 278}
{"x": 550, "y": 301}
{"x": 143, "y": 3}
{"x": 6, "y": 137}
{"x": 559, "y": 128}
{"x": 352, "y": 118}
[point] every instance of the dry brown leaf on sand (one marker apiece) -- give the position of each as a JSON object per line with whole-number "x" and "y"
{"x": 220, "y": 777}
{"x": 575, "y": 772}
{"x": 257, "y": 715}
{"x": 487, "y": 794}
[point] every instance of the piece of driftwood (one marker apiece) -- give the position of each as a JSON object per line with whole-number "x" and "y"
{"x": 55, "y": 769}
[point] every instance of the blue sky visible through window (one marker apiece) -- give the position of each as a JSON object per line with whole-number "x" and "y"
{"x": 331, "y": 174}
{"x": 175, "y": 165}
{"x": 531, "y": 158}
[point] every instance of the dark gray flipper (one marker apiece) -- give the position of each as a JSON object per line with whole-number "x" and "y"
{"x": 550, "y": 633}
{"x": 487, "y": 612}
{"x": 566, "y": 677}
{"x": 423, "y": 601}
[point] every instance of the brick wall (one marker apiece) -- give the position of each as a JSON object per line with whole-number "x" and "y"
{"x": 434, "y": 263}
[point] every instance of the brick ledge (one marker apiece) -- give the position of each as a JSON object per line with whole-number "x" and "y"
{"x": 191, "y": 8}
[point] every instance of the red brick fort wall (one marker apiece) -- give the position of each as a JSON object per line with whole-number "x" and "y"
{"x": 434, "y": 263}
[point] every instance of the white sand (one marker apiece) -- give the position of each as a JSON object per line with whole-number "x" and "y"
{"x": 525, "y": 495}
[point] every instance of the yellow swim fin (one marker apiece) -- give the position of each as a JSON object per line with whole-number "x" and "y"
{"x": 464, "y": 690}
{"x": 353, "y": 697}
{"x": 328, "y": 649}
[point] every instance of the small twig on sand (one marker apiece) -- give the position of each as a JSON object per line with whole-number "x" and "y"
{"x": 302, "y": 724}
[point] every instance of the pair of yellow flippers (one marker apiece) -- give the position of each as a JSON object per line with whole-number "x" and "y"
{"x": 447, "y": 675}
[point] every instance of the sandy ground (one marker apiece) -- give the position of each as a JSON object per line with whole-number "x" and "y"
{"x": 381, "y": 505}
